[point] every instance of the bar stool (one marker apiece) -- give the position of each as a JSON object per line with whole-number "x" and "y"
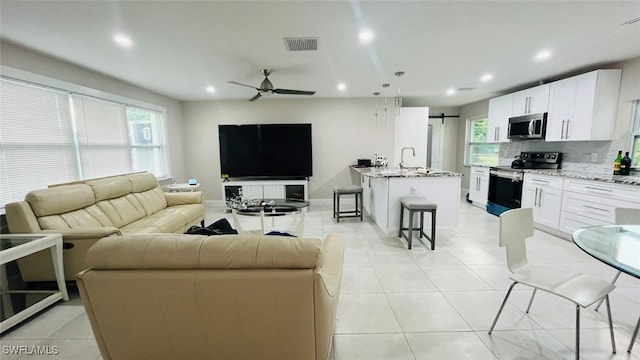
{"x": 421, "y": 205}
{"x": 338, "y": 191}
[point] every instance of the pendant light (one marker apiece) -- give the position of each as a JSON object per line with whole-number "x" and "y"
{"x": 375, "y": 114}
{"x": 397, "y": 104}
{"x": 386, "y": 105}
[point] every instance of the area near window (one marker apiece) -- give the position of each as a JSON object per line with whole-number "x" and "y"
{"x": 635, "y": 137}
{"x": 50, "y": 136}
{"x": 478, "y": 150}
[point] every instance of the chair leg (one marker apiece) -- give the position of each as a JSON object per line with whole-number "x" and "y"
{"x": 613, "y": 281}
{"x": 577, "y": 350}
{"x": 613, "y": 341}
{"x": 361, "y": 205}
{"x": 433, "y": 230}
{"x": 338, "y": 207}
{"x": 531, "y": 300}
{"x": 504, "y": 302}
{"x": 410, "y": 230}
{"x": 635, "y": 335}
{"x": 334, "y": 204}
{"x": 401, "y": 219}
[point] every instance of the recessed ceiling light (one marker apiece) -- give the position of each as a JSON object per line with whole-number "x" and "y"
{"x": 451, "y": 92}
{"x": 210, "y": 89}
{"x": 123, "y": 40}
{"x": 342, "y": 86}
{"x": 486, "y": 78}
{"x": 366, "y": 36}
{"x": 543, "y": 55}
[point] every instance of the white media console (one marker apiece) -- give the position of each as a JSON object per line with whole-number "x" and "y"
{"x": 266, "y": 189}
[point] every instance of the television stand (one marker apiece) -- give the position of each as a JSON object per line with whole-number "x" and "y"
{"x": 265, "y": 189}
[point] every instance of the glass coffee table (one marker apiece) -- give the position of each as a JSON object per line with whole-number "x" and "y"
{"x": 16, "y": 246}
{"x": 272, "y": 208}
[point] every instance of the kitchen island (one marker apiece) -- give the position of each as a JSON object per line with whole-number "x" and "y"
{"x": 383, "y": 188}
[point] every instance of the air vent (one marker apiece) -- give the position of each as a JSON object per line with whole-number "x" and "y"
{"x": 301, "y": 43}
{"x": 466, "y": 88}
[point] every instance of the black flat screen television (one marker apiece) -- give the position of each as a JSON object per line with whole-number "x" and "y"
{"x": 280, "y": 151}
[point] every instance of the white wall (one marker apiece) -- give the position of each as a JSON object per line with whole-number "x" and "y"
{"x": 20, "y": 58}
{"x": 343, "y": 130}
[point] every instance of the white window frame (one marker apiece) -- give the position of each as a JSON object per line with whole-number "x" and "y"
{"x": 469, "y": 143}
{"x": 634, "y": 135}
{"x": 76, "y": 91}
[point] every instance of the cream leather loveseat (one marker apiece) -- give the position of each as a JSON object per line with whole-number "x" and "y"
{"x": 86, "y": 211}
{"x": 240, "y": 297}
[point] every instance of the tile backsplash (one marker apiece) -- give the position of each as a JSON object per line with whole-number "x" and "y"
{"x": 576, "y": 155}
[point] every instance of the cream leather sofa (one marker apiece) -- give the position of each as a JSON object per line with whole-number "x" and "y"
{"x": 86, "y": 211}
{"x": 243, "y": 297}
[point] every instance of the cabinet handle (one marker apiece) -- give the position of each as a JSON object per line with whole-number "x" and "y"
{"x": 595, "y": 208}
{"x": 562, "y": 130}
{"x": 497, "y": 133}
{"x": 529, "y": 105}
{"x": 566, "y": 134}
{"x": 535, "y": 198}
{"x": 540, "y": 198}
{"x": 599, "y": 189}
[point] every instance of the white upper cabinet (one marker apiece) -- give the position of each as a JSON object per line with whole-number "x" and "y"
{"x": 583, "y": 107}
{"x": 499, "y": 113}
{"x": 531, "y": 101}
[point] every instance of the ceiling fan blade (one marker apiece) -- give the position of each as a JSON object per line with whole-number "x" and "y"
{"x": 237, "y": 83}
{"x": 256, "y": 97}
{"x": 293, "y": 92}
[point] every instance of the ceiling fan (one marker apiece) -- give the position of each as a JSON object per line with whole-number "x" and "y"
{"x": 267, "y": 87}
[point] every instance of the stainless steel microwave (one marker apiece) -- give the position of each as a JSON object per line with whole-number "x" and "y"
{"x": 533, "y": 126}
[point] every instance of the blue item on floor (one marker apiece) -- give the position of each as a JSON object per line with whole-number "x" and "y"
{"x": 496, "y": 209}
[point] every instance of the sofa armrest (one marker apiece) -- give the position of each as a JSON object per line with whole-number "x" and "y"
{"x": 184, "y": 198}
{"x": 329, "y": 271}
{"x": 327, "y": 280}
{"x": 20, "y": 218}
{"x": 85, "y": 233}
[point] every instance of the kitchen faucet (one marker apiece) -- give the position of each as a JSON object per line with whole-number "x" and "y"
{"x": 402, "y": 155}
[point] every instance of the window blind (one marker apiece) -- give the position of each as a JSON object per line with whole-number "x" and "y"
{"x": 102, "y": 137}
{"x": 36, "y": 139}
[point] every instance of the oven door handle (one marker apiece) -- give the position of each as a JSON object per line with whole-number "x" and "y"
{"x": 515, "y": 176}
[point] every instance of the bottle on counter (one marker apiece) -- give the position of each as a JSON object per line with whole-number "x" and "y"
{"x": 616, "y": 163}
{"x": 625, "y": 164}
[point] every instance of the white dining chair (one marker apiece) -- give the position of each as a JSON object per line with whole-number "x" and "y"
{"x": 516, "y": 226}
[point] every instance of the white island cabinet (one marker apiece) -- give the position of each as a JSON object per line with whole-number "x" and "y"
{"x": 441, "y": 188}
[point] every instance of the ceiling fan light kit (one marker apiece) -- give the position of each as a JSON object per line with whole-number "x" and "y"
{"x": 266, "y": 86}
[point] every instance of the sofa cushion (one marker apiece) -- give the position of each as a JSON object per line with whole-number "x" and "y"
{"x": 142, "y": 181}
{"x": 152, "y": 200}
{"x": 173, "y": 251}
{"x": 60, "y": 199}
{"x": 109, "y": 188}
{"x": 121, "y": 211}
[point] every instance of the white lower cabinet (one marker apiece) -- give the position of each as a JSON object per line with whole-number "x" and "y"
{"x": 544, "y": 194}
{"x": 589, "y": 203}
{"x": 365, "y": 182}
{"x": 479, "y": 186}
{"x": 379, "y": 199}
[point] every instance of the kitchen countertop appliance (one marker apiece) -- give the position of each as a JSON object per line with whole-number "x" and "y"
{"x": 505, "y": 182}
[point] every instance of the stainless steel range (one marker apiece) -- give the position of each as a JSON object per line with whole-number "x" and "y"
{"x": 505, "y": 182}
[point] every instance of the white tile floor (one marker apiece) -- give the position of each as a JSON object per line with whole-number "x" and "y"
{"x": 419, "y": 304}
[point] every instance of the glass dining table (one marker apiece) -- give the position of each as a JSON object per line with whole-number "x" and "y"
{"x": 615, "y": 245}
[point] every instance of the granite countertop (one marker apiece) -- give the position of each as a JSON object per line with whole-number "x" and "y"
{"x": 379, "y": 172}
{"x": 617, "y": 179}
